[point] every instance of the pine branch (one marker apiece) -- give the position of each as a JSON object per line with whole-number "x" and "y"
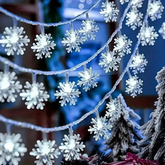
{"x": 160, "y": 152}
{"x": 153, "y": 140}
{"x": 161, "y": 75}
{"x": 149, "y": 128}
{"x": 133, "y": 149}
{"x": 122, "y": 157}
{"x": 115, "y": 150}
{"x": 113, "y": 135}
{"x": 134, "y": 125}
{"x": 145, "y": 141}
{"x": 144, "y": 126}
{"x": 144, "y": 152}
{"x": 159, "y": 120}
{"x": 110, "y": 145}
{"x": 133, "y": 115}
{"x": 138, "y": 134}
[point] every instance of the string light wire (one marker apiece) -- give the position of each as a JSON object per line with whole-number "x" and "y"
{"x": 49, "y": 73}
{"x": 60, "y": 128}
{"x": 21, "y": 19}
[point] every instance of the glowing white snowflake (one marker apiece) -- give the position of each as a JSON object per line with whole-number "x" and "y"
{"x": 100, "y": 128}
{"x": 109, "y": 61}
{"x": 162, "y": 30}
{"x": 34, "y": 95}
{"x": 89, "y": 29}
{"x": 138, "y": 63}
{"x": 134, "y": 18}
{"x": 67, "y": 93}
{"x": 11, "y": 149}
{"x": 14, "y": 40}
{"x": 110, "y": 11}
{"x": 123, "y": 1}
{"x": 45, "y": 152}
{"x": 43, "y": 46}
{"x": 113, "y": 110}
{"x": 9, "y": 86}
{"x": 72, "y": 147}
{"x": 73, "y": 40}
{"x": 88, "y": 79}
{"x": 134, "y": 86}
{"x": 155, "y": 10}
{"x": 122, "y": 45}
{"x": 147, "y": 35}
{"x": 137, "y": 3}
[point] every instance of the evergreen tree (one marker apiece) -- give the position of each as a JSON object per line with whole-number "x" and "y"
{"x": 153, "y": 145}
{"x": 125, "y": 134}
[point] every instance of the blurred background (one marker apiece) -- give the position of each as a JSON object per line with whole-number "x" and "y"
{"x": 53, "y": 114}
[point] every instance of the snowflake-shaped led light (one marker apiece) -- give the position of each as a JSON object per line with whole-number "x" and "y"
{"x": 11, "y": 149}
{"x": 45, "y": 152}
{"x": 113, "y": 110}
{"x": 9, "y": 87}
{"x": 89, "y": 29}
{"x": 155, "y": 10}
{"x": 134, "y": 18}
{"x": 14, "y": 40}
{"x": 110, "y": 11}
{"x": 72, "y": 147}
{"x": 34, "y": 95}
{"x": 138, "y": 63}
{"x": 100, "y": 128}
{"x": 162, "y": 30}
{"x": 123, "y": 1}
{"x": 122, "y": 45}
{"x": 43, "y": 46}
{"x": 109, "y": 61}
{"x": 134, "y": 86}
{"x": 73, "y": 40}
{"x": 88, "y": 79}
{"x": 147, "y": 35}
{"x": 67, "y": 93}
{"x": 137, "y": 3}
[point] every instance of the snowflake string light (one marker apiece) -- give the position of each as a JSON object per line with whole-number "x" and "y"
{"x": 122, "y": 45}
{"x": 134, "y": 18}
{"x": 11, "y": 149}
{"x": 14, "y": 40}
{"x": 162, "y": 30}
{"x": 88, "y": 79}
{"x": 34, "y": 95}
{"x": 100, "y": 128}
{"x": 9, "y": 86}
{"x": 67, "y": 93}
{"x": 147, "y": 35}
{"x": 134, "y": 86}
{"x": 72, "y": 147}
{"x": 113, "y": 110}
{"x": 137, "y": 3}
{"x": 73, "y": 40}
{"x": 110, "y": 11}
{"x": 89, "y": 29}
{"x": 43, "y": 45}
{"x": 155, "y": 10}
{"x": 109, "y": 61}
{"x": 45, "y": 152}
{"x": 123, "y": 1}
{"x": 138, "y": 63}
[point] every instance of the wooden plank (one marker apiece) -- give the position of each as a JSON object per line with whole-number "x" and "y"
{"x": 20, "y": 112}
{"x": 23, "y": 8}
{"x": 141, "y": 101}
